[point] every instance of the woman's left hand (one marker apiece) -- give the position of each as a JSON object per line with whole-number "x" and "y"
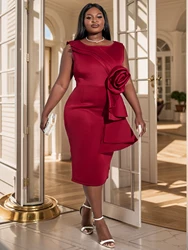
{"x": 139, "y": 121}
{"x": 43, "y": 122}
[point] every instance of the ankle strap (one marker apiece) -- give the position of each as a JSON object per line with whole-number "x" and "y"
{"x": 86, "y": 206}
{"x": 99, "y": 218}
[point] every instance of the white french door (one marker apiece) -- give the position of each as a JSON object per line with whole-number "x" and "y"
{"x": 8, "y": 168}
{"x": 21, "y": 99}
{"x": 30, "y": 71}
{"x": 135, "y": 27}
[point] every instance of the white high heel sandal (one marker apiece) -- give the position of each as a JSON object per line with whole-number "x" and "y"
{"x": 103, "y": 242}
{"x": 86, "y": 229}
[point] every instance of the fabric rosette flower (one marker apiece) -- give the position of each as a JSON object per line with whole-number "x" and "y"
{"x": 115, "y": 83}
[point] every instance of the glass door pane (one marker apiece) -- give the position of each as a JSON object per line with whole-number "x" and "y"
{"x": 159, "y": 79}
{"x": 168, "y": 82}
{"x": 164, "y": 87}
{"x": 123, "y": 183}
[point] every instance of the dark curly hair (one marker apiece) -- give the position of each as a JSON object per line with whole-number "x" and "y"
{"x": 81, "y": 31}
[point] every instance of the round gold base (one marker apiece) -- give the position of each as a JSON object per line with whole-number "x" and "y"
{"x": 10, "y": 210}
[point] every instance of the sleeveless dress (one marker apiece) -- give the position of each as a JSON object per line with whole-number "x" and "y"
{"x": 95, "y": 115}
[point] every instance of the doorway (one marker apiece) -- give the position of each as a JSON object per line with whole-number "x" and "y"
{"x": 164, "y": 80}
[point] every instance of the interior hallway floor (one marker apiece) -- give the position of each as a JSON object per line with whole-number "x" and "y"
{"x": 63, "y": 233}
{"x": 164, "y": 203}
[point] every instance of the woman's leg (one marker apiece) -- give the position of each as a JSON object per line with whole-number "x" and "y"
{"x": 94, "y": 197}
{"x": 86, "y": 214}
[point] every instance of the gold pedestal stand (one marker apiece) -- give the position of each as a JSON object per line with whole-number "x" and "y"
{"x": 10, "y": 210}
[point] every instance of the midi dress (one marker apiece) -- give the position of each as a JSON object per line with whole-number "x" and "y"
{"x": 95, "y": 114}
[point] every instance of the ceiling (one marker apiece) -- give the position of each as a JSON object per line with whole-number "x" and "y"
{"x": 75, "y": 5}
{"x": 182, "y": 23}
{"x": 80, "y": 3}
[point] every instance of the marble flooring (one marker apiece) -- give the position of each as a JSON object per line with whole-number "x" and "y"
{"x": 63, "y": 233}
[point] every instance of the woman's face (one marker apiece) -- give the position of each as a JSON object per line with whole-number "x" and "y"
{"x": 94, "y": 21}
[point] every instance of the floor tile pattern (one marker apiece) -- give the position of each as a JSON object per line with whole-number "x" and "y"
{"x": 63, "y": 233}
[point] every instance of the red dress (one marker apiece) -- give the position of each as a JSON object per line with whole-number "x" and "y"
{"x": 95, "y": 115}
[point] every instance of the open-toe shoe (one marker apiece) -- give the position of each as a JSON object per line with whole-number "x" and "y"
{"x": 108, "y": 243}
{"x": 86, "y": 229}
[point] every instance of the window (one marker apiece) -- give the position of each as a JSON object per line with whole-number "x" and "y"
{"x": 162, "y": 46}
{"x": 48, "y": 33}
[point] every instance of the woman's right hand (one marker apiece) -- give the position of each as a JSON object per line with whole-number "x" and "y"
{"x": 43, "y": 122}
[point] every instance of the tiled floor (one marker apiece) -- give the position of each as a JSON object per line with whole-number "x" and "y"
{"x": 63, "y": 233}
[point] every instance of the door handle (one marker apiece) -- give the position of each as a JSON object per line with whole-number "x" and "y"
{"x": 151, "y": 80}
{"x": 159, "y": 78}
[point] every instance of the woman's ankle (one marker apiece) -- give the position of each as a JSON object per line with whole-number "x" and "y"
{"x": 102, "y": 228}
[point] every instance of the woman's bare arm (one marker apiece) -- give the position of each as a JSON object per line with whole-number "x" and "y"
{"x": 130, "y": 95}
{"x": 61, "y": 84}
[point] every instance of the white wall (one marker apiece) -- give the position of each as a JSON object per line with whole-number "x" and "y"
{"x": 168, "y": 15}
{"x": 171, "y": 28}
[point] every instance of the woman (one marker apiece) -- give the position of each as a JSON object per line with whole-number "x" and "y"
{"x": 95, "y": 116}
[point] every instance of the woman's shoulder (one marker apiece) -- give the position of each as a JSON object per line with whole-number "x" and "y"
{"x": 119, "y": 47}
{"x": 119, "y": 44}
{"x": 72, "y": 42}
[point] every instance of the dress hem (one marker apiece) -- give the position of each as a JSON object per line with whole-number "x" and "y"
{"x": 87, "y": 184}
